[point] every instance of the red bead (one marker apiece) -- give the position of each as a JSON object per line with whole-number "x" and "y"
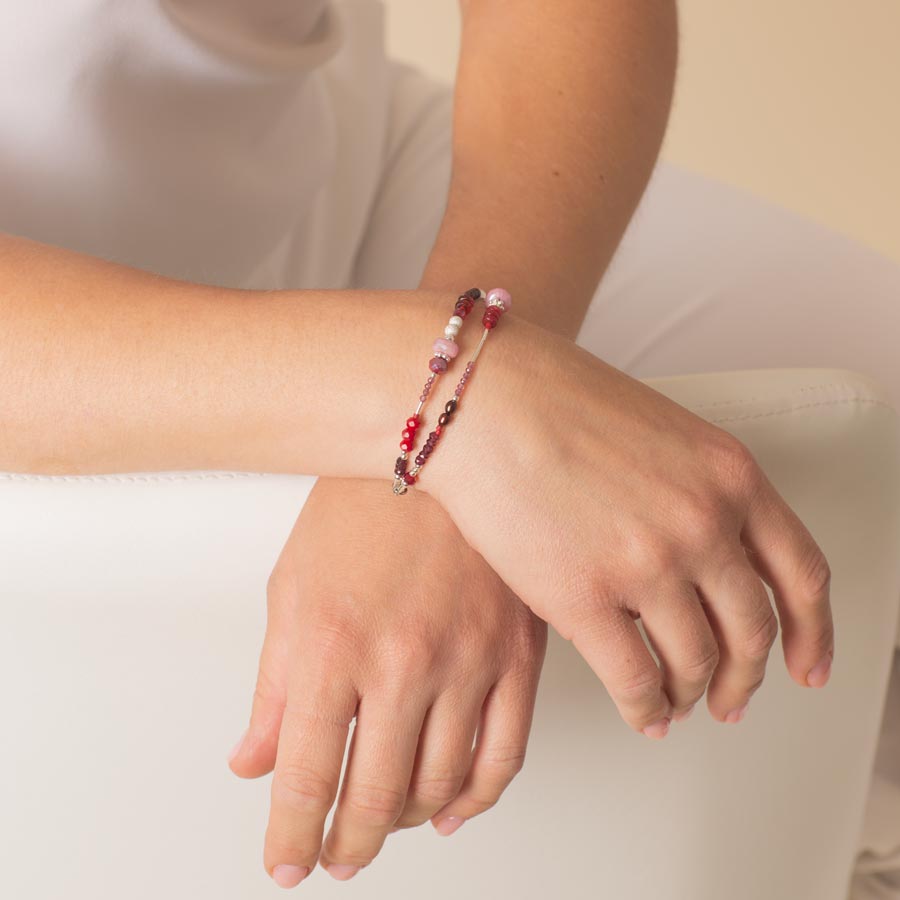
{"x": 409, "y": 434}
{"x": 489, "y": 323}
{"x": 409, "y": 478}
{"x": 412, "y": 422}
{"x": 406, "y": 445}
{"x": 437, "y": 429}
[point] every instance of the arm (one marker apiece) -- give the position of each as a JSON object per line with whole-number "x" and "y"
{"x": 559, "y": 113}
{"x": 111, "y": 369}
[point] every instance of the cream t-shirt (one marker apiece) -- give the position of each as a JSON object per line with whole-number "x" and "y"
{"x": 232, "y": 142}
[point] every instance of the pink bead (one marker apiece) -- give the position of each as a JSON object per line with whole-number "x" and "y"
{"x": 448, "y": 348}
{"x": 501, "y": 295}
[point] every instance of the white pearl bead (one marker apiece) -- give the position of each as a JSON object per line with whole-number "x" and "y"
{"x": 450, "y": 332}
{"x": 456, "y": 321}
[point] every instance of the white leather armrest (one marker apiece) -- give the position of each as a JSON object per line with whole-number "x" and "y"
{"x": 134, "y": 609}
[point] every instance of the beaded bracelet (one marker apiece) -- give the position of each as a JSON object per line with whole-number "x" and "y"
{"x": 497, "y": 302}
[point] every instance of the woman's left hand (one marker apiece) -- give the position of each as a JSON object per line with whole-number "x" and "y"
{"x": 378, "y": 608}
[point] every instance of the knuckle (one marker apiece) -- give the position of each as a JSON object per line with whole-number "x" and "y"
{"x": 375, "y": 805}
{"x": 652, "y": 556}
{"x": 641, "y": 688}
{"x": 504, "y": 762}
{"x": 760, "y": 636}
{"x": 302, "y": 790}
{"x": 480, "y": 803}
{"x": 436, "y": 788}
{"x": 346, "y": 855}
{"x": 701, "y": 520}
{"x": 408, "y": 654}
{"x": 735, "y": 464}
{"x": 756, "y": 684}
{"x": 701, "y": 665}
{"x": 815, "y": 573}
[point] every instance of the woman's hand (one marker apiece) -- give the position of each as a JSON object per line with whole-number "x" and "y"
{"x": 378, "y": 608}
{"x": 598, "y": 500}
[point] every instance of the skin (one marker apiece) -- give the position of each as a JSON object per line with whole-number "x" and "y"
{"x": 556, "y": 245}
{"x": 573, "y": 196}
{"x": 419, "y": 662}
{"x": 578, "y": 490}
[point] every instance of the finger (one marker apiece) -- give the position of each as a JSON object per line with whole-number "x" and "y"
{"x": 375, "y": 783}
{"x": 499, "y": 752}
{"x": 444, "y": 756}
{"x": 741, "y": 616}
{"x": 254, "y": 754}
{"x": 680, "y": 634}
{"x": 612, "y": 646}
{"x": 307, "y": 770}
{"x": 785, "y": 554}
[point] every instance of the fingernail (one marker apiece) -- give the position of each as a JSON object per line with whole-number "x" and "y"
{"x": 818, "y": 674}
{"x": 289, "y": 876}
{"x": 341, "y": 872}
{"x": 236, "y": 749}
{"x": 447, "y": 826}
{"x": 658, "y": 730}
{"x": 736, "y": 715}
{"x": 684, "y": 714}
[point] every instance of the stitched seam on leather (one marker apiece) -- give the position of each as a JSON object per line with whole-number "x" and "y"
{"x": 743, "y": 400}
{"x": 862, "y": 401}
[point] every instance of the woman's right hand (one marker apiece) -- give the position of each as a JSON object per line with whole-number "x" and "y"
{"x": 598, "y": 501}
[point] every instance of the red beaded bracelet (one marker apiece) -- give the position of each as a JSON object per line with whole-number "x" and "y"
{"x": 497, "y": 302}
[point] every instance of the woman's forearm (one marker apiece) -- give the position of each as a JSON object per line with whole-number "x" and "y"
{"x": 559, "y": 113}
{"x": 106, "y": 369}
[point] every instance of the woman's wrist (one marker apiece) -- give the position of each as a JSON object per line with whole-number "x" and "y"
{"x": 469, "y": 444}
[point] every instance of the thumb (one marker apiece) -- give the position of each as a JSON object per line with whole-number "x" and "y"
{"x": 254, "y": 754}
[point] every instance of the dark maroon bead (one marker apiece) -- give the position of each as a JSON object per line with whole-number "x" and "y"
{"x": 443, "y": 418}
{"x": 409, "y": 479}
{"x": 420, "y": 459}
{"x": 474, "y": 293}
{"x": 400, "y": 467}
{"x": 450, "y": 406}
{"x": 438, "y": 364}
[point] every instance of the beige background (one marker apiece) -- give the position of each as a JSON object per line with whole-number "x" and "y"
{"x": 797, "y": 100}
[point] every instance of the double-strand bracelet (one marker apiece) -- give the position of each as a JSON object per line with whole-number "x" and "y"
{"x": 446, "y": 349}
